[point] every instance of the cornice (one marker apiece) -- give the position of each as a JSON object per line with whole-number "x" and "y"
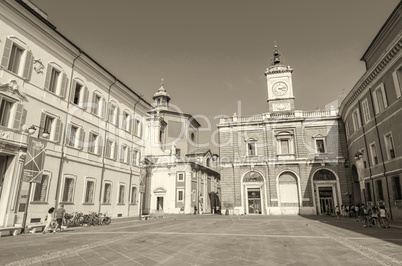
{"x": 370, "y": 75}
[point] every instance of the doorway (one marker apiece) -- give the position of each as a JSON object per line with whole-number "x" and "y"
{"x": 3, "y": 168}
{"x": 254, "y": 200}
{"x": 326, "y": 200}
{"x": 159, "y": 203}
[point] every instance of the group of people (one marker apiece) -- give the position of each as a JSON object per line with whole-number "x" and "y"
{"x": 375, "y": 216}
{"x": 51, "y": 215}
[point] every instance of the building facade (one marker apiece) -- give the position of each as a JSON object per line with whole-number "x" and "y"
{"x": 285, "y": 161}
{"x": 93, "y": 124}
{"x": 372, "y": 112}
{"x": 181, "y": 177}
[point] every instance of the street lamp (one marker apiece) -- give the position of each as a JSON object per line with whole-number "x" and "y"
{"x": 45, "y": 134}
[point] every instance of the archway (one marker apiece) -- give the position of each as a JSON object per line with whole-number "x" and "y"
{"x": 253, "y": 182}
{"x": 326, "y": 191}
{"x": 289, "y": 198}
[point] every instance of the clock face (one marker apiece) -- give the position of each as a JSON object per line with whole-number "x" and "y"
{"x": 280, "y": 88}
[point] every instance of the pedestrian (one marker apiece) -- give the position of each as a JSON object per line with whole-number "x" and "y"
{"x": 357, "y": 211}
{"x": 49, "y": 220}
{"x": 374, "y": 216}
{"x": 59, "y": 217}
{"x": 195, "y": 209}
{"x": 343, "y": 212}
{"x": 337, "y": 211}
{"x": 383, "y": 217}
{"x": 365, "y": 216}
{"x": 347, "y": 211}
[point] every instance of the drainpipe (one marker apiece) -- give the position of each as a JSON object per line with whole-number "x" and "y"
{"x": 382, "y": 157}
{"x": 104, "y": 144}
{"x": 63, "y": 138}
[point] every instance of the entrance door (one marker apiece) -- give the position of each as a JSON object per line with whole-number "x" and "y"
{"x": 3, "y": 168}
{"x": 326, "y": 200}
{"x": 254, "y": 200}
{"x": 159, "y": 204}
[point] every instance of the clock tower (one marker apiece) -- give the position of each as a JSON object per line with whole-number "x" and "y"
{"x": 279, "y": 85}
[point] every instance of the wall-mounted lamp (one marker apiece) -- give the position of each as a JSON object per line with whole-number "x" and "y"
{"x": 358, "y": 156}
{"x": 32, "y": 130}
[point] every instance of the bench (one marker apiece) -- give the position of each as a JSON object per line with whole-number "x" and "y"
{"x": 10, "y": 231}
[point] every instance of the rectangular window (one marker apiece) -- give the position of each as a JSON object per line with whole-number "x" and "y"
{"x": 73, "y": 136}
{"x": 180, "y": 177}
{"x": 5, "y": 112}
{"x": 138, "y": 128}
{"x": 396, "y": 185}
{"x": 124, "y": 154}
{"x": 133, "y": 195}
{"x": 368, "y": 192}
{"x": 94, "y": 143}
{"x": 126, "y": 122}
{"x": 121, "y": 194}
{"x": 380, "y": 99}
{"x": 52, "y": 125}
{"x": 135, "y": 160}
{"x": 356, "y": 120}
{"x": 15, "y": 59}
{"x": 113, "y": 114}
{"x": 41, "y": 189}
{"x": 68, "y": 189}
{"x": 89, "y": 192}
{"x": 54, "y": 80}
{"x": 284, "y": 146}
{"x": 397, "y": 76}
{"x": 380, "y": 193}
{"x": 373, "y": 151}
{"x": 389, "y": 145}
{"x": 320, "y": 147}
{"x": 107, "y": 193}
{"x": 366, "y": 111}
{"x": 97, "y": 105}
{"x": 180, "y": 195}
{"x": 251, "y": 149}
{"x": 111, "y": 149}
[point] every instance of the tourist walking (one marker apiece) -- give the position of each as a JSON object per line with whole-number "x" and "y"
{"x": 59, "y": 217}
{"x": 337, "y": 211}
{"x": 49, "y": 220}
{"x": 383, "y": 217}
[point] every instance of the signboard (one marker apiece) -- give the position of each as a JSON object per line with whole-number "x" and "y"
{"x": 34, "y": 161}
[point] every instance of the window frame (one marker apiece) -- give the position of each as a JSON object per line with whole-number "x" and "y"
{"x": 13, "y": 116}
{"x": 111, "y": 149}
{"x": 77, "y": 142}
{"x": 46, "y": 197}
{"x": 379, "y": 88}
{"x": 396, "y": 185}
{"x": 397, "y": 78}
{"x": 119, "y": 196}
{"x": 373, "y": 154}
{"x": 84, "y": 198}
{"x": 74, "y": 178}
{"x": 124, "y": 153}
{"x": 133, "y": 196}
{"x": 182, "y": 174}
{"x": 110, "y": 183}
{"x": 94, "y": 143}
{"x": 25, "y": 61}
{"x": 82, "y": 99}
{"x": 60, "y": 86}
{"x": 357, "y": 123}
{"x": 389, "y": 146}
{"x": 54, "y": 130}
{"x": 284, "y": 136}
{"x": 178, "y": 195}
{"x": 366, "y": 111}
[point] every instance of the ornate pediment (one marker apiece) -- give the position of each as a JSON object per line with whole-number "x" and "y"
{"x": 160, "y": 190}
{"x": 13, "y": 88}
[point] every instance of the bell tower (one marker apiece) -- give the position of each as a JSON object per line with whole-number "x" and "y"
{"x": 279, "y": 85}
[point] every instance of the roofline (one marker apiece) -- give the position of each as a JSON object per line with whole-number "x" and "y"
{"x": 52, "y": 27}
{"x": 381, "y": 30}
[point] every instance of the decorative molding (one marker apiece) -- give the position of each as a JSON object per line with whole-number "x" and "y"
{"x": 13, "y": 88}
{"x": 3, "y": 134}
{"x": 38, "y": 66}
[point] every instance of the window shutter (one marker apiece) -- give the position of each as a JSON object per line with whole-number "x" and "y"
{"x": 28, "y": 65}
{"x": 68, "y": 133}
{"x": 63, "y": 87}
{"x": 94, "y": 106}
{"x": 6, "y": 53}
{"x": 116, "y": 147}
{"x": 72, "y": 92}
{"x": 86, "y": 94}
{"x": 81, "y": 139}
{"x": 375, "y": 102}
{"x": 103, "y": 108}
{"x": 108, "y": 111}
{"x": 384, "y": 96}
{"x": 117, "y": 116}
{"x": 100, "y": 145}
{"x": 18, "y": 115}
{"x": 58, "y": 130}
{"x": 42, "y": 123}
{"x": 48, "y": 76}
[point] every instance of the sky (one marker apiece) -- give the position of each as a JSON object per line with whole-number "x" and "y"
{"x": 212, "y": 54}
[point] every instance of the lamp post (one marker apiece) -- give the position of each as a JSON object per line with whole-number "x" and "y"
{"x": 359, "y": 165}
{"x": 45, "y": 134}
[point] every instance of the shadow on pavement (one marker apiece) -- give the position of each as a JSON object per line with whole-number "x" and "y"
{"x": 393, "y": 234}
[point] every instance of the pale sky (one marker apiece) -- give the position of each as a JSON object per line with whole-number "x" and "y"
{"x": 213, "y": 53}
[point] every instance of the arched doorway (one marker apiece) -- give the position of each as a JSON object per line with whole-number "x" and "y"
{"x": 288, "y": 188}
{"x": 326, "y": 189}
{"x": 253, "y": 194}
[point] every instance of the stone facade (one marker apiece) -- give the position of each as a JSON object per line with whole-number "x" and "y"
{"x": 372, "y": 113}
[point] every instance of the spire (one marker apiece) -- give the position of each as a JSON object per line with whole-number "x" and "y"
{"x": 161, "y": 97}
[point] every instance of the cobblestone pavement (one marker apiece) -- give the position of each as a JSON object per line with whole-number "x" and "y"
{"x": 211, "y": 240}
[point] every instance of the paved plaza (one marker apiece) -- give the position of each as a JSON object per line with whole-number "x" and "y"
{"x": 211, "y": 240}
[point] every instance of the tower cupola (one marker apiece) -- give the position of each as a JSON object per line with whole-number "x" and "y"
{"x": 161, "y": 97}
